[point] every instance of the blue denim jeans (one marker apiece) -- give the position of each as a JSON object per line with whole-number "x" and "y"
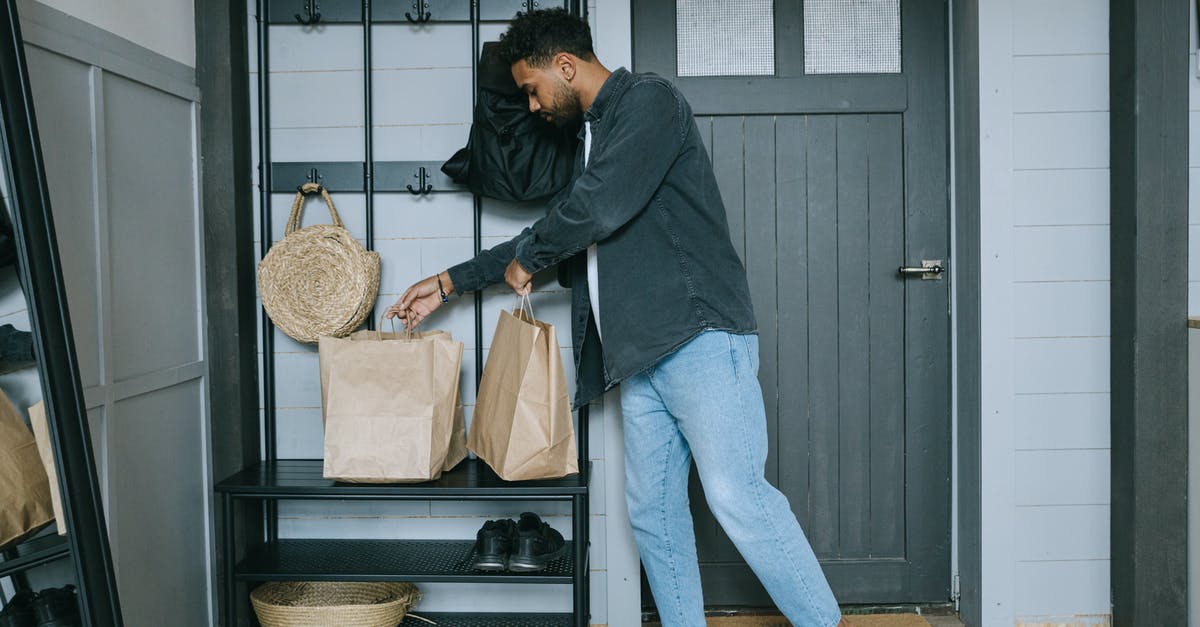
{"x": 704, "y": 402}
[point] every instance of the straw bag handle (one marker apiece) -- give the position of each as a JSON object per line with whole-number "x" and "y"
{"x": 293, "y": 223}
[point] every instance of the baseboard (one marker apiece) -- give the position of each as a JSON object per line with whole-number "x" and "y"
{"x": 1079, "y": 620}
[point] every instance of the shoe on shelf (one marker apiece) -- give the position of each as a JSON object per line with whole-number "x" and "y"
{"x": 18, "y": 612}
{"x": 16, "y": 349}
{"x": 537, "y": 545}
{"x": 57, "y": 607}
{"x": 493, "y": 543}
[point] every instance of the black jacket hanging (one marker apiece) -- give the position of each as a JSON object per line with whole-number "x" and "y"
{"x": 511, "y": 153}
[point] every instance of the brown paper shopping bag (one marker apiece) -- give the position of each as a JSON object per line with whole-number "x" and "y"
{"x": 391, "y": 406}
{"x": 25, "y": 504}
{"x": 41, "y": 433}
{"x": 522, "y": 425}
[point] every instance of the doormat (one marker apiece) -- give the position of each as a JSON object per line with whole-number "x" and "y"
{"x": 859, "y": 620}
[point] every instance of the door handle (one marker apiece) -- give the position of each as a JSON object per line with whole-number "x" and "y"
{"x": 930, "y": 269}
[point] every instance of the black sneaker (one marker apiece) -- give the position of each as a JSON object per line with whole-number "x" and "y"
{"x": 57, "y": 607}
{"x": 493, "y": 543}
{"x": 536, "y": 546}
{"x": 19, "y": 611}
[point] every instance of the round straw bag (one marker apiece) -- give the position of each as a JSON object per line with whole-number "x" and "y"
{"x": 318, "y": 280}
{"x": 328, "y": 603}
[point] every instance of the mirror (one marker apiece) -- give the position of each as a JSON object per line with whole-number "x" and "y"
{"x": 33, "y": 300}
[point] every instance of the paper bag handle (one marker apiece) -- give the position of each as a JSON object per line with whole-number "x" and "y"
{"x": 408, "y": 329}
{"x": 523, "y": 303}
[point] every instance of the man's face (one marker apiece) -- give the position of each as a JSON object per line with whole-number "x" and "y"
{"x": 550, "y": 95}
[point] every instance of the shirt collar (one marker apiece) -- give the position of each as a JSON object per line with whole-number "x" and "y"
{"x": 611, "y": 87}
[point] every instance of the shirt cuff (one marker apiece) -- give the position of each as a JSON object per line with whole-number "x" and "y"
{"x": 525, "y": 258}
{"x": 465, "y": 277}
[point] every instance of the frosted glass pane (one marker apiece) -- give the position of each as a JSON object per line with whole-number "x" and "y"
{"x": 851, "y": 36}
{"x": 720, "y": 38}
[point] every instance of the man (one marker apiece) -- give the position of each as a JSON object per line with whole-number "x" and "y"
{"x": 661, "y": 307}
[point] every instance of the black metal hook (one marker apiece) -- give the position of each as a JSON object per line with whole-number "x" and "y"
{"x": 423, "y": 14}
{"x": 314, "y": 176}
{"x": 312, "y": 12}
{"x": 423, "y": 188}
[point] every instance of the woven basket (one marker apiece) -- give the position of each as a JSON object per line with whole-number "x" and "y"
{"x": 318, "y": 280}
{"x": 333, "y": 603}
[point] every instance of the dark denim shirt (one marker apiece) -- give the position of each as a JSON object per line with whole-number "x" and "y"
{"x": 649, "y": 200}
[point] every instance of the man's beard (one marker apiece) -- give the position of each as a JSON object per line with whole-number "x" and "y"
{"x": 567, "y": 109}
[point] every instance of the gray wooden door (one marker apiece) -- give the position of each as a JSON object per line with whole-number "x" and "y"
{"x": 832, "y": 181}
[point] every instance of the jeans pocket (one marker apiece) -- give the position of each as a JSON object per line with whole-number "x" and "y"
{"x": 733, "y": 357}
{"x": 750, "y": 341}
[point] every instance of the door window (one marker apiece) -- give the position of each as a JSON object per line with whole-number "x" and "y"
{"x": 763, "y": 37}
{"x": 851, "y": 36}
{"x": 715, "y": 38}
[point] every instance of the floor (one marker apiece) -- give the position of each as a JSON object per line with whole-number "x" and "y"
{"x": 935, "y": 617}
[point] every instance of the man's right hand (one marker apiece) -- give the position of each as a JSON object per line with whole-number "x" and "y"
{"x": 420, "y": 300}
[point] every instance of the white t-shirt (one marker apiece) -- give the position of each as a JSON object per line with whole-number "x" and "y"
{"x": 593, "y": 272}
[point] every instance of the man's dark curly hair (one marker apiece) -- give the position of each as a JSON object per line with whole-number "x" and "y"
{"x": 536, "y": 36}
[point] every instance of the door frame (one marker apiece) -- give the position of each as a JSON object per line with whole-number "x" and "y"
{"x": 927, "y": 210}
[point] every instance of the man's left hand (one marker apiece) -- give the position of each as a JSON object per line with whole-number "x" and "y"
{"x": 518, "y": 279}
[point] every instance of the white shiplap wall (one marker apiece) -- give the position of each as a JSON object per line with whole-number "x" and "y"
{"x": 422, "y": 110}
{"x": 1045, "y": 208}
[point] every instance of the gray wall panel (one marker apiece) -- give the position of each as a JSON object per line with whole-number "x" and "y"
{"x": 118, "y": 139}
{"x": 154, "y": 448}
{"x": 152, "y": 216}
{"x": 61, "y": 87}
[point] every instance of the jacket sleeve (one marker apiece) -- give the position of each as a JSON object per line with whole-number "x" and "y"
{"x": 646, "y": 136}
{"x": 487, "y": 268}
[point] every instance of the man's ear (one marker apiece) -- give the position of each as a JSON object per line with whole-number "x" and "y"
{"x": 564, "y": 64}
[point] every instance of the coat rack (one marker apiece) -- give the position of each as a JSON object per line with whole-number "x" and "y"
{"x": 272, "y": 558}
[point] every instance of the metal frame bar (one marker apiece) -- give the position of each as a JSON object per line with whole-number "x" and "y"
{"x": 15, "y": 564}
{"x": 270, "y": 438}
{"x": 45, "y": 292}
{"x": 456, "y": 484}
{"x": 368, "y": 136}
{"x": 477, "y": 201}
{"x": 230, "y": 564}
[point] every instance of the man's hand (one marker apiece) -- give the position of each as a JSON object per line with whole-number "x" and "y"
{"x": 420, "y": 300}
{"x": 518, "y": 279}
